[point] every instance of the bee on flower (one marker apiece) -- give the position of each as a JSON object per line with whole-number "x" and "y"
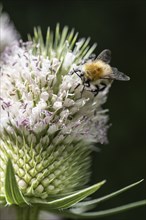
{"x": 97, "y": 74}
{"x": 47, "y": 128}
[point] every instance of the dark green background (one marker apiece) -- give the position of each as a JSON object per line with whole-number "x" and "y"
{"x": 119, "y": 26}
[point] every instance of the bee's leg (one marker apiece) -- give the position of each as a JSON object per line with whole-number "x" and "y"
{"x": 88, "y": 88}
{"x": 80, "y": 84}
{"x": 76, "y": 70}
{"x": 86, "y": 83}
{"x": 96, "y": 91}
{"x": 81, "y": 92}
{"x": 83, "y": 83}
{"x": 103, "y": 87}
{"x": 81, "y": 77}
{"x": 77, "y": 85}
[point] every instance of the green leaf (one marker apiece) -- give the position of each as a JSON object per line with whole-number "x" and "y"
{"x": 12, "y": 193}
{"x": 72, "y": 199}
{"x": 103, "y": 213}
{"x": 104, "y": 198}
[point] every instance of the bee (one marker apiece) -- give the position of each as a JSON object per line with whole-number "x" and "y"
{"x": 96, "y": 74}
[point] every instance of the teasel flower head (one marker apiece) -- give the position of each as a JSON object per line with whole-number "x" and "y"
{"x": 49, "y": 123}
{"x": 8, "y": 33}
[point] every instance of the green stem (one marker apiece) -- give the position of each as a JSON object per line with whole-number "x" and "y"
{"x": 104, "y": 213}
{"x": 27, "y": 213}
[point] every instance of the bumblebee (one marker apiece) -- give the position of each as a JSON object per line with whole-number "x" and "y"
{"x": 97, "y": 74}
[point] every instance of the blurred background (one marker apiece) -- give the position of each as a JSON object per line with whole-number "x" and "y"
{"x": 119, "y": 26}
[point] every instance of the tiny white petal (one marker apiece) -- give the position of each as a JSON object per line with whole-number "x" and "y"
{"x": 44, "y": 96}
{"x": 69, "y": 58}
{"x": 57, "y": 105}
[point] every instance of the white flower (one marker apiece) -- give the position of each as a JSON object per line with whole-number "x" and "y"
{"x": 49, "y": 123}
{"x": 47, "y": 117}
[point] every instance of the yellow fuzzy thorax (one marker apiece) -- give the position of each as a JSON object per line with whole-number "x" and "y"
{"x": 96, "y": 70}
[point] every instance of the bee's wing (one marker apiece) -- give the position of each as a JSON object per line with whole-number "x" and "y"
{"x": 105, "y": 56}
{"x": 116, "y": 75}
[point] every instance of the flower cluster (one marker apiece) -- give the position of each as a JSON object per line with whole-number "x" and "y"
{"x": 49, "y": 121}
{"x": 46, "y": 118}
